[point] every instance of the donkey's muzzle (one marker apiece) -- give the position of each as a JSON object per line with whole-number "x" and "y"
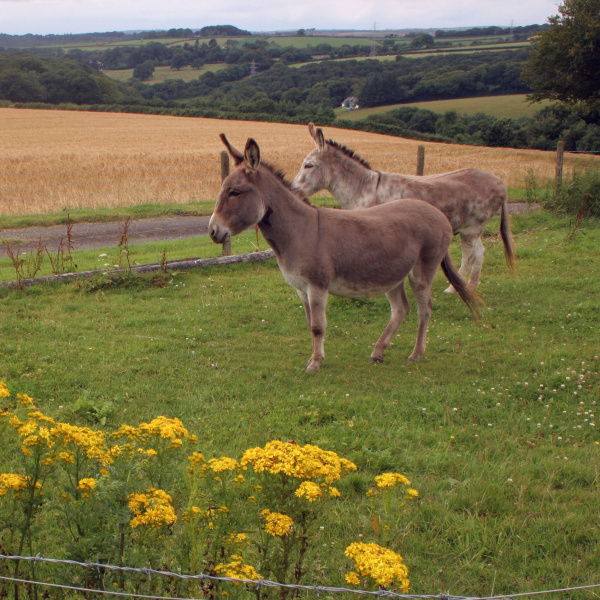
{"x": 218, "y": 234}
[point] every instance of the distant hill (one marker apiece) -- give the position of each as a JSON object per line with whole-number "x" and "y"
{"x": 222, "y": 31}
{"x": 30, "y": 40}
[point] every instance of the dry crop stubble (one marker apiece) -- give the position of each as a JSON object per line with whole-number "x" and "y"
{"x": 60, "y": 160}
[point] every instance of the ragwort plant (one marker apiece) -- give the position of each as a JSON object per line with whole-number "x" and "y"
{"x": 136, "y": 497}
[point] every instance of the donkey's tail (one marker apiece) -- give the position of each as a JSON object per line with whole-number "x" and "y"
{"x": 469, "y": 297}
{"x": 507, "y": 239}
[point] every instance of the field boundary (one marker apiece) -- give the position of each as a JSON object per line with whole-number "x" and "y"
{"x": 176, "y": 265}
{"x": 380, "y": 593}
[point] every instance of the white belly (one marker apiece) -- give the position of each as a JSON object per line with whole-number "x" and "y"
{"x": 342, "y": 288}
{"x": 338, "y": 287}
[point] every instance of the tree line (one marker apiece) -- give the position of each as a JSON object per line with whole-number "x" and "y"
{"x": 517, "y": 33}
{"x": 30, "y": 40}
{"x": 26, "y": 78}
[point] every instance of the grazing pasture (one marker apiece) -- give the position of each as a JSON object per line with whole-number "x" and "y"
{"x": 496, "y": 427}
{"x": 512, "y": 106}
{"x": 163, "y": 73}
{"x": 64, "y": 160}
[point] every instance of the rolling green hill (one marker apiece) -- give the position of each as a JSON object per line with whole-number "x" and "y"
{"x": 512, "y": 106}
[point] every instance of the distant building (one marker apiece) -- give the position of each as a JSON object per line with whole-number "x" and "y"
{"x": 350, "y": 103}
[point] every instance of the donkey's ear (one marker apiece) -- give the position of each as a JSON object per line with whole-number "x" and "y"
{"x": 237, "y": 156}
{"x": 251, "y": 155}
{"x": 317, "y": 135}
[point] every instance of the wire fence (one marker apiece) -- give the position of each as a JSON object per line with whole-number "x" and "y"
{"x": 261, "y": 583}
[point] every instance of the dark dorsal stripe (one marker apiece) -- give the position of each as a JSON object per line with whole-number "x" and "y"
{"x": 284, "y": 181}
{"x": 349, "y": 153}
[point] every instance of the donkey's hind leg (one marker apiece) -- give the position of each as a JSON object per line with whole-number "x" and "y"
{"x": 421, "y": 285}
{"x": 469, "y": 258}
{"x": 478, "y": 254}
{"x": 400, "y": 307}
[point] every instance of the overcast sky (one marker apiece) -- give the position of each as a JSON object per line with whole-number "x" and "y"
{"x": 83, "y": 16}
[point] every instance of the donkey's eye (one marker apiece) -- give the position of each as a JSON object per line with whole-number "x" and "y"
{"x": 235, "y": 193}
{"x": 308, "y": 166}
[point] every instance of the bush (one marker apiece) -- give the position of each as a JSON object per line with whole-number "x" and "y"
{"x": 144, "y": 496}
{"x": 580, "y": 196}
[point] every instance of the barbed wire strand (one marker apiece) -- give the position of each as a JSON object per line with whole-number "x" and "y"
{"x": 78, "y": 589}
{"x": 265, "y": 583}
{"x": 204, "y": 577}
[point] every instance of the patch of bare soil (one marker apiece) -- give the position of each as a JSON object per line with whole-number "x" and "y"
{"x": 99, "y": 235}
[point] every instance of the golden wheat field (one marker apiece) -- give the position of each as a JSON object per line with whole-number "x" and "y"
{"x": 60, "y": 160}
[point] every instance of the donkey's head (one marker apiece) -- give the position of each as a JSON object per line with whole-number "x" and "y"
{"x": 314, "y": 174}
{"x": 239, "y": 204}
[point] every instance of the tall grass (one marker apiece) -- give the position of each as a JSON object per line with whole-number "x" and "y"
{"x": 64, "y": 161}
{"x": 496, "y": 426}
{"x": 580, "y": 195}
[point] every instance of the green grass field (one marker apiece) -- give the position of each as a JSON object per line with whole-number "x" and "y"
{"x": 163, "y": 73}
{"x": 511, "y": 106}
{"x": 495, "y": 427}
{"x": 308, "y": 41}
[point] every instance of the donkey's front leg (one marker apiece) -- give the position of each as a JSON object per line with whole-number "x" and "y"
{"x": 317, "y": 302}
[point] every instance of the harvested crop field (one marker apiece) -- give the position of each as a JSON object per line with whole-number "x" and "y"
{"x": 60, "y": 160}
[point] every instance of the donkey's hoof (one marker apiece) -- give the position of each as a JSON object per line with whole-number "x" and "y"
{"x": 313, "y": 366}
{"x": 377, "y": 359}
{"x": 414, "y": 357}
{"x": 450, "y": 290}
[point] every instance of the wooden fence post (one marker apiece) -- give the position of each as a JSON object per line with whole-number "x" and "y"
{"x": 224, "y": 173}
{"x": 420, "y": 160}
{"x": 560, "y": 151}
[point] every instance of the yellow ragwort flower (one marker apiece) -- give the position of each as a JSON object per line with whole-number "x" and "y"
{"x": 86, "y": 486}
{"x": 302, "y": 462}
{"x": 277, "y": 524}
{"x": 235, "y": 569}
{"x": 163, "y": 427}
{"x": 383, "y": 565}
{"x": 153, "y": 509}
{"x": 25, "y": 400}
{"x": 4, "y": 393}
{"x": 388, "y": 480}
{"x": 131, "y": 433}
{"x": 309, "y": 490}
{"x": 220, "y": 465}
{"x": 15, "y": 482}
{"x": 36, "y": 414}
{"x": 412, "y": 493}
{"x": 90, "y": 441}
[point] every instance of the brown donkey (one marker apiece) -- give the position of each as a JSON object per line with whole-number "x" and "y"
{"x": 365, "y": 252}
{"x": 468, "y": 197}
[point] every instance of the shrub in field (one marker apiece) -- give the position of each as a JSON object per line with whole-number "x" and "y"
{"x": 580, "y": 195}
{"x": 138, "y": 497}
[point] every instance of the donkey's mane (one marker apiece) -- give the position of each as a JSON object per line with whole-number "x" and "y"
{"x": 285, "y": 182}
{"x": 349, "y": 153}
